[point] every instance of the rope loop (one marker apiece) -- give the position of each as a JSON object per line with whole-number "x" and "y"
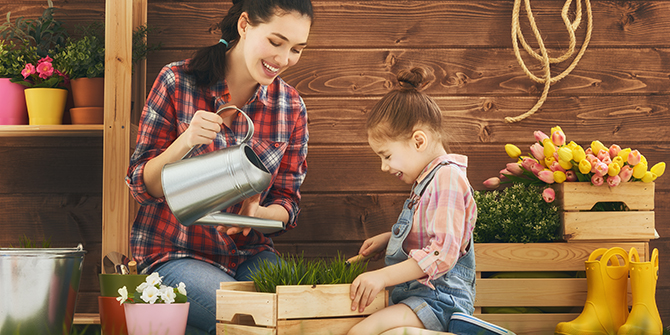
{"x": 543, "y": 56}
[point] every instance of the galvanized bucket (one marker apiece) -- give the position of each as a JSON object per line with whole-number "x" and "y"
{"x": 38, "y": 289}
{"x": 197, "y": 186}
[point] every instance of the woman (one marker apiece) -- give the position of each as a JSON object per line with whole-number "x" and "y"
{"x": 260, "y": 39}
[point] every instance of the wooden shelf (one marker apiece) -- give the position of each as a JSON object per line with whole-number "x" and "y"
{"x": 69, "y": 130}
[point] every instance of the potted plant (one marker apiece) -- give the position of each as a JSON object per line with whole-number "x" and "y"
{"x": 604, "y": 198}
{"x": 294, "y": 296}
{"x": 40, "y": 285}
{"x": 84, "y": 62}
{"x": 13, "y": 58}
{"x": 155, "y": 308}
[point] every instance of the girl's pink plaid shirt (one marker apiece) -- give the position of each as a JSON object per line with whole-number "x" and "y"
{"x": 280, "y": 140}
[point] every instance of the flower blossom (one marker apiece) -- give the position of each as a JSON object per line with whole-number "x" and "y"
{"x": 181, "y": 288}
{"x": 570, "y": 175}
{"x": 153, "y": 279}
{"x": 150, "y": 295}
{"x": 28, "y": 70}
{"x": 557, "y": 136}
{"x": 167, "y": 294}
{"x": 625, "y": 173}
{"x": 597, "y": 180}
{"x": 624, "y": 154}
{"x": 584, "y": 166}
{"x": 45, "y": 70}
{"x": 546, "y": 176}
{"x": 539, "y": 136}
{"x": 596, "y": 146}
{"x": 514, "y": 168}
{"x": 548, "y": 195}
{"x": 614, "y": 150}
{"x": 600, "y": 169}
{"x": 613, "y": 181}
{"x": 559, "y": 176}
{"x": 658, "y": 169}
{"x": 537, "y": 151}
{"x": 492, "y": 183}
{"x": 123, "y": 292}
{"x": 639, "y": 170}
{"x": 578, "y": 154}
{"x": 512, "y": 150}
{"x": 648, "y": 177}
{"x": 634, "y": 157}
{"x": 613, "y": 169}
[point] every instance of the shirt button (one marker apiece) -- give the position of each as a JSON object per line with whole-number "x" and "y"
{"x": 276, "y": 145}
{"x": 396, "y": 231}
{"x": 233, "y": 264}
{"x": 436, "y": 253}
{"x": 232, "y": 251}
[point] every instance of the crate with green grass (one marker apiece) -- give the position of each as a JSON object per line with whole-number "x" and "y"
{"x": 294, "y": 296}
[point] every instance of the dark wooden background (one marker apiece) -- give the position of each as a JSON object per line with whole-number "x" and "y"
{"x": 619, "y": 93}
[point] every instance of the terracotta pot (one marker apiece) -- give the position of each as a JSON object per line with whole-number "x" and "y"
{"x": 13, "y": 107}
{"x": 150, "y": 319}
{"x": 87, "y": 115}
{"x": 45, "y": 105}
{"x": 88, "y": 92}
{"x": 112, "y": 316}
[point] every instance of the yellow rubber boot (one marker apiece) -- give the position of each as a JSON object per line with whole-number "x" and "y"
{"x": 644, "y": 318}
{"x": 606, "y": 307}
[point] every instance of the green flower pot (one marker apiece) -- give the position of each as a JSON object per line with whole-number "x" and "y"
{"x": 110, "y": 283}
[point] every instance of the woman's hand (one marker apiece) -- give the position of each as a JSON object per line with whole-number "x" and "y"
{"x": 375, "y": 246}
{"x": 203, "y": 128}
{"x": 365, "y": 288}
{"x": 249, "y": 208}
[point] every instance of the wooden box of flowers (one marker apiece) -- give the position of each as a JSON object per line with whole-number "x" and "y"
{"x": 534, "y": 236}
{"x": 294, "y": 296}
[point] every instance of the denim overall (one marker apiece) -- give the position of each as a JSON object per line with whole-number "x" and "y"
{"x": 454, "y": 291}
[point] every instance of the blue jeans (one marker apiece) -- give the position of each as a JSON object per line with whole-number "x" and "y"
{"x": 202, "y": 280}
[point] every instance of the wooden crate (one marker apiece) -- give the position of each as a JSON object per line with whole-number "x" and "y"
{"x": 293, "y": 310}
{"x": 579, "y": 224}
{"x": 535, "y": 292}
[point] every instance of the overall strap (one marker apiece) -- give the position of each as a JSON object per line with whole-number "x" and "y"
{"x": 419, "y": 188}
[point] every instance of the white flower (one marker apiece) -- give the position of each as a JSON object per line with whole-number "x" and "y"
{"x": 181, "y": 288}
{"x": 167, "y": 294}
{"x": 124, "y": 295}
{"x": 150, "y": 294}
{"x": 154, "y": 280}
{"x": 142, "y": 287}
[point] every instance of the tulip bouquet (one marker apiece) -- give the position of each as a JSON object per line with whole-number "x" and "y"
{"x": 554, "y": 160}
{"x": 152, "y": 291}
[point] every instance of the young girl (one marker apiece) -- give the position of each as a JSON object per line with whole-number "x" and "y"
{"x": 429, "y": 251}
{"x": 259, "y": 40}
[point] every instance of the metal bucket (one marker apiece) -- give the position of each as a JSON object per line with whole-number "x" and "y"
{"x": 38, "y": 289}
{"x": 197, "y": 186}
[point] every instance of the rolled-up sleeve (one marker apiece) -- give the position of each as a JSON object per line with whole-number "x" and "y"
{"x": 155, "y": 134}
{"x": 442, "y": 219}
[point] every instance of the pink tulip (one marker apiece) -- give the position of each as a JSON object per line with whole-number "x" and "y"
{"x": 634, "y": 157}
{"x": 535, "y": 168}
{"x": 555, "y": 166}
{"x": 546, "y": 176}
{"x": 625, "y": 173}
{"x": 537, "y": 150}
{"x": 28, "y": 70}
{"x": 607, "y": 160}
{"x": 614, "y": 150}
{"x": 503, "y": 173}
{"x": 558, "y": 137}
{"x": 597, "y": 180}
{"x": 548, "y": 195}
{"x": 588, "y": 151}
{"x": 601, "y": 169}
{"x": 492, "y": 183}
{"x": 527, "y": 163}
{"x": 613, "y": 180}
{"x": 514, "y": 168}
{"x": 539, "y": 136}
{"x": 602, "y": 154}
{"x": 570, "y": 175}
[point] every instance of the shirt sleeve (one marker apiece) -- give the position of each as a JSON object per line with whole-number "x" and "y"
{"x": 292, "y": 169}
{"x": 156, "y": 132}
{"x": 443, "y": 213}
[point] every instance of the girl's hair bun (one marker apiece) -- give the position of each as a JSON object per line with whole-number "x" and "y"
{"x": 415, "y": 78}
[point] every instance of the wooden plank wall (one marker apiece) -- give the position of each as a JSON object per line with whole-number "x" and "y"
{"x": 618, "y": 93}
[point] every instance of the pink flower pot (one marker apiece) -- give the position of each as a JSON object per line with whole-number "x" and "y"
{"x": 163, "y": 319}
{"x": 13, "y": 107}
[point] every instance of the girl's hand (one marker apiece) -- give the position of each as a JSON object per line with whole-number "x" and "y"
{"x": 203, "y": 128}
{"x": 375, "y": 246}
{"x": 249, "y": 208}
{"x": 365, "y": 288}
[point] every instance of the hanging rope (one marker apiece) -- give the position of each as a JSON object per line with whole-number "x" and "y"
{"x": 543, "y": 56}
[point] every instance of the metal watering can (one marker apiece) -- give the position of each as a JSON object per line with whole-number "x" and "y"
{"x": 198, "y": 188}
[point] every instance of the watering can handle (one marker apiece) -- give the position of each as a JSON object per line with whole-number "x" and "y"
{"x": 250, "y": 130}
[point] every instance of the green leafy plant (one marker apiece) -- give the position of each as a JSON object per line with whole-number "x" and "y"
{"x": 516, "y": 214}
{"x": 25, "y": 242}
{"x": 295, "y": 270}
{"x": 84, "y": 57}
{"x": 13, "y": 58}
{"x": 45, "y": 33}
{"x": 140, "y": 47}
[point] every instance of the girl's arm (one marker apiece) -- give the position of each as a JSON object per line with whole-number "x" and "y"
{"x": 365, "y": 287}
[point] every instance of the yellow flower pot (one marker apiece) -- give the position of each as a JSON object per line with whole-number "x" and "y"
{"x": 45, "y": 105}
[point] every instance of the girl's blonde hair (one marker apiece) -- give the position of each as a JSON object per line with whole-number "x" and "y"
{"x": 396, "y": 115}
